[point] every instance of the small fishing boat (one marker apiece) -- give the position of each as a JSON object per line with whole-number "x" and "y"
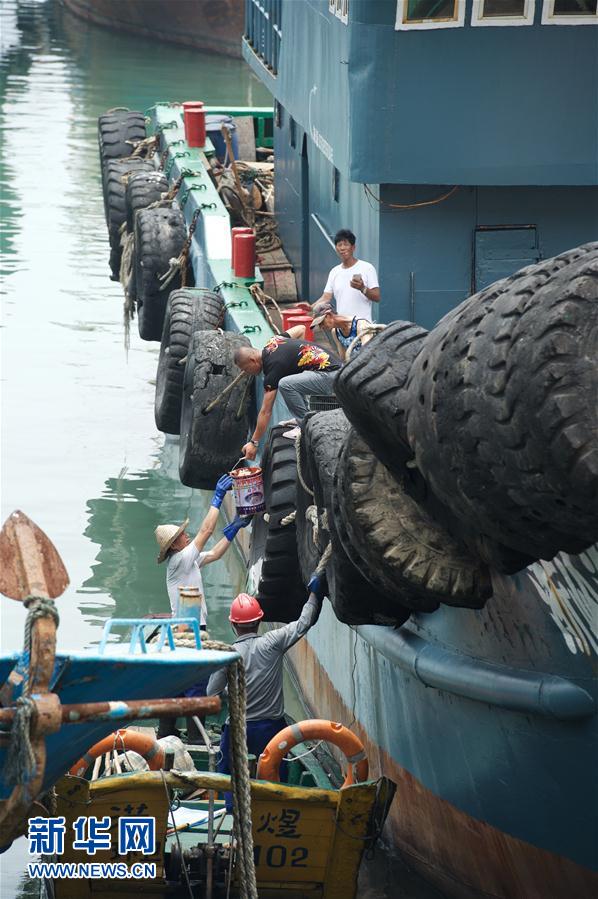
{"x": 307, "y": 839}
{"x": 304, "y": 837}
{"x": 55, "y": 704}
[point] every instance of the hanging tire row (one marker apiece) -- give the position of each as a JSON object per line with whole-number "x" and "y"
{"x": 467, "y": 449}
{"x": 195, "y": 363}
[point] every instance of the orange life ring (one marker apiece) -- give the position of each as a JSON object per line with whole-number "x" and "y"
{"x": 146, "y": 746}
{"x": 314, "y": 729}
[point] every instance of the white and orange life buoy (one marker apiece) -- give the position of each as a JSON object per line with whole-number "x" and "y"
{"x": 120, "y": 740}
{"x": 314, "y": 729}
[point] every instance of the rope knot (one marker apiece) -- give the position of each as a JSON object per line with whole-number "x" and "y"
{"x": 19, "y": 767}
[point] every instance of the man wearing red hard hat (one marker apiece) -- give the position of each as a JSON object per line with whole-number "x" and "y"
{"x": 263, "y": 656}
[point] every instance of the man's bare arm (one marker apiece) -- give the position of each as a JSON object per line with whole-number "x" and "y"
{"x": 207, "y": 528}
{"x": 325, "y": 298}
{"x": 372, "y": 293}
{"x": 263, "y": 419}
{"x": 217, "y": 551}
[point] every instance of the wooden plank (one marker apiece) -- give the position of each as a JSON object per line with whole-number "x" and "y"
{"x": 292, "y": 839}
{"x": 352, "y": 823}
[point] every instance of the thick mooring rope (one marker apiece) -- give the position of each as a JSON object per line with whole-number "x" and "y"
{"x": 299, "y": 471}
{"x": 19, "y": 766}
{"x": 237, "y": 703}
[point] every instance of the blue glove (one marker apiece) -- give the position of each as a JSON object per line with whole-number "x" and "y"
{"x": 318, "y": 585}
{"x": 232, "y": 529}
{"x": 224, "y": 484}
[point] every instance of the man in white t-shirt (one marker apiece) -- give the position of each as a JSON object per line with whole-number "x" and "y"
{"x": 185, "y": 555}
{"x": 185, "y": 559}
{"x": 354, "y": 283}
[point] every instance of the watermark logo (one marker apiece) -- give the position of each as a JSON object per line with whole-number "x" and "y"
{"x": 92, "y": 834}
{"x": 46, "y": 836}
{"x": 136, "y": 835}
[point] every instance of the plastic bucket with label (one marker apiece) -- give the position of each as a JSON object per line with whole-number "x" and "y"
{"x": 248, "y": 490}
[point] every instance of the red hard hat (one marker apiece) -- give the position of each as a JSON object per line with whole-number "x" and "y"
{"x": 245, "y": 609}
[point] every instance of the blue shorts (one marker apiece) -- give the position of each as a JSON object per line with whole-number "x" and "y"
{"x": 259, "y": 734}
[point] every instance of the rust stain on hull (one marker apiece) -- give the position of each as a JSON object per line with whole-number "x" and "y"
{"x": 465, "y": 857}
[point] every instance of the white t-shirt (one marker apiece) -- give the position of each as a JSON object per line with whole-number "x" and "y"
{"x": 348, "y": 300}
{"x": 183, "y": 571}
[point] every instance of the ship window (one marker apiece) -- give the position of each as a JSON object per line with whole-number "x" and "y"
{"x": 570, "y": 12}
{"x": 336, "y": 181}
{"x": 278, "y": 114}
{"x": 502, "y": 12}
{"x": 429, "y": 14}
{"x": 293, "y": 131}
{"x": 340, "y": 9}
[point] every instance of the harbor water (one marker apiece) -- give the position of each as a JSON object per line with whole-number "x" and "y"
{"x": 80, "y": 451}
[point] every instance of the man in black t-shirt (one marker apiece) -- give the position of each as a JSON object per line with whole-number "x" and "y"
{"x": 295, "y": 367}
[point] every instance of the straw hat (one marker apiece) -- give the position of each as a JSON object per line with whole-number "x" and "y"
{"x": 166, "y": 534}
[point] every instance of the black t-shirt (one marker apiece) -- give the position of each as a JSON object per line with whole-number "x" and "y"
{"x": 284, "y": 356}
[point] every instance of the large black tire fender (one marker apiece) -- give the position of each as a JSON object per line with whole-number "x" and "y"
{"x": 306, "y": 521}
{"x": 159, "y": 236}
{"x": 370, "y": 389}
{"x": 187, "y": 310}
{"x": 396, "y": 543}
{"x": 143, "y": 189}
{"x": 119, "y": 130}
{"x": 354, "y": 599}
{"x": 211, "y": 442}
{"x": 281, "y": 591}
{"x": 116, "y": 173}
{"x": 502, "y": 413}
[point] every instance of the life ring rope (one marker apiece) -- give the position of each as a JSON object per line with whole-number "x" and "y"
{"x": 145, "y": 745}
{"x": 315, "y": 729}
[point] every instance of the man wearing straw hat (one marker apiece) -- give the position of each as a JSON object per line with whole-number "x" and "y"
{"x": 185, "y": 559}
{"x": 185, "y": 555}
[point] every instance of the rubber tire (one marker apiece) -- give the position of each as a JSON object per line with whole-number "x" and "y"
{"x": 502, "y": 411}
{"x": 353, "y": 597}
{"x": 211, "y": 444}
{"x": 115, "y": 129}
{"x": 115, "y": 203}
{"x": 142, "y": 190}
{"x": 308, "y": 549}
{"x": 159, "y": 236}
{"x": 281, "y": 591}
{"x": 324, "y": 434}
{"x": 187, "y": 310}
{"x": 370, "y": 389}
{"x": 397, "y": 544}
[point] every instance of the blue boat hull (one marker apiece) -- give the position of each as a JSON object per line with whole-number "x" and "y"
{"x": 81, "y": 677}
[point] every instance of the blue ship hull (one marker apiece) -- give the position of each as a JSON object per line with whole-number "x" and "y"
{"x": 486, "y": 719}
